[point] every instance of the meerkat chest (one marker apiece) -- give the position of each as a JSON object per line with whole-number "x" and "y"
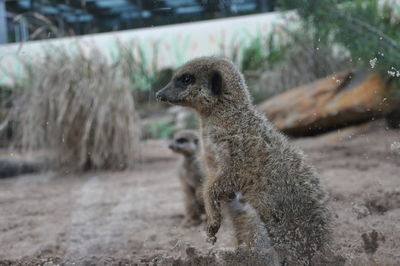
{"x": 243, "y": 152}
{"x": 209, "y": 155}
{"x": 190, "y": 174}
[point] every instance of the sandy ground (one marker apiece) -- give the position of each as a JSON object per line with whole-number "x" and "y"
{"x": 132, "y": 217}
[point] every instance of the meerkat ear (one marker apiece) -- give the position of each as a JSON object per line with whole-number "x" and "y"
{"x": 216, "y": 83}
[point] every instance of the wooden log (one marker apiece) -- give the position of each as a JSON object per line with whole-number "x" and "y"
{"x": 340, "y": 100}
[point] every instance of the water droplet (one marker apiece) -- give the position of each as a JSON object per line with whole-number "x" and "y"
{"x": 372, "y": 62}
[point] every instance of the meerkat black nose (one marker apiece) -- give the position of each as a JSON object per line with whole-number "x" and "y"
{"x": 171, "y": 146}
{"x": 163, "y": 94}
{"x": 160, "y": 95}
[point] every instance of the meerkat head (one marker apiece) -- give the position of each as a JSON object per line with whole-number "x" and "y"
{"x": 185, "y": 142}
{"x": 204, "y": 82}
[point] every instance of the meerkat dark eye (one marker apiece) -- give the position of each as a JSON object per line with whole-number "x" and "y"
{"x": 216, "y": 83}
{"x": 187, "y": 79}
{"x": 181, "y": 140}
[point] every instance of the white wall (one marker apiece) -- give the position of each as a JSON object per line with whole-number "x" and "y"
{"x": 177, "y": 43}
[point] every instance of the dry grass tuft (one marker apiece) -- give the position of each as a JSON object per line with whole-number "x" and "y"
{"x": 81, "y": 109}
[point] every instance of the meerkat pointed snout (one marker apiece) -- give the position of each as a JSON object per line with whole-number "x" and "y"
{"x": 244, "y": 153}
{"x": 191, "y": 175}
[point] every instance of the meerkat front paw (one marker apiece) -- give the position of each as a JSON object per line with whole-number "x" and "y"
{"x": 211, "y": 239}
{"x": 212, "y": 229}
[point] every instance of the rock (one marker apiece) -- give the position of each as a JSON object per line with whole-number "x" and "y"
{"x": 334, "y": 102}
{"x": 10, "y": 168}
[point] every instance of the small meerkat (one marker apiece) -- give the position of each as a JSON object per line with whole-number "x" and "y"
{"x": 250, "y": 230}
{"x": 243, "y": 152}
{"x": 242, "y": 213}
{"x": 191, "y": 175}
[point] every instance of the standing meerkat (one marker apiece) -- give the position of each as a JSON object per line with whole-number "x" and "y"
{"x": 243, "y": 152}
{"x": 191, "y": 175}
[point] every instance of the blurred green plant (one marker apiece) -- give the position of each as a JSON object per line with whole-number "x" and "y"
{"x": 133, "y": 58}
{"x": 285, "y": 59}
{"x": 254, "y": 55}
{"x": 159, "y": 129}
{"x": 368, "y": 29}
{"x": 192, "y": 121}
{"x": 262, "y": 50}
{"x": 140, "y": 63}
{"x": 256, "y": 51}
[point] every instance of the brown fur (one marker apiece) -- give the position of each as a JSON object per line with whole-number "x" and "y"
{"x": 191, "y": 174}
{"x": 243, "y": 152}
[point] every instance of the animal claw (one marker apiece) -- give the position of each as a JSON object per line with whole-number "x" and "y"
{"x": 212, "y": 239}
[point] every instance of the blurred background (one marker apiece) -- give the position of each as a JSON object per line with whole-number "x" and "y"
{"x": 80, "y": 126}
{"x": 56, "y": 19}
